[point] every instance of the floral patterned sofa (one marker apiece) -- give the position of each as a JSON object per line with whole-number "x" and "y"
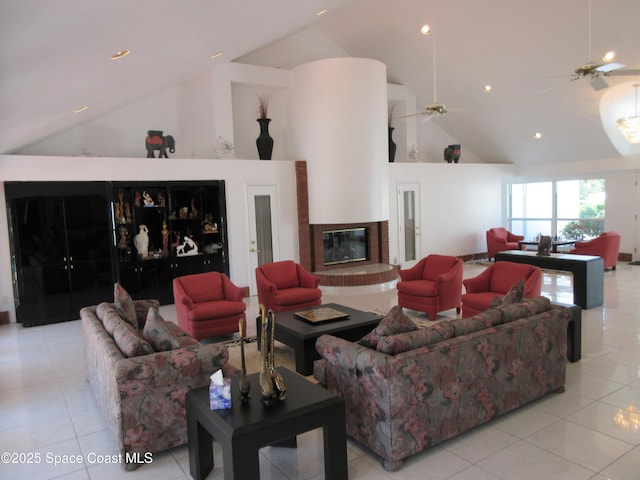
{"x": 139, "y": 368}
{"x": 407, "y": 389}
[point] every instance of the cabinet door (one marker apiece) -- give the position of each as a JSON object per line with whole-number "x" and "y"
{"x": 88, "y": 250}
{"x": 39, "y": 243}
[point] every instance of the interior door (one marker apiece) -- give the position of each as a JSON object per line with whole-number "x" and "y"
{"x": 408, "y": 222}
{"x": 262, "y": 213}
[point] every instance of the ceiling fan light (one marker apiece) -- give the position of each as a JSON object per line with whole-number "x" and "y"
{"x": 630, "y": 128}
{"x": 609, "y": 56}
{"x": 425, "y": 30}
{"x": 487, "y": 88}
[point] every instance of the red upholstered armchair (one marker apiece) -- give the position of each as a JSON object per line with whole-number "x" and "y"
{"x": 496, "y": 280}
{"x": 286, "y": 285}
{"x": 500, "y": 239}
{"x": 607, "y": 246}
{"x": 432, "y": 285}
{"x": 208, "y": 304}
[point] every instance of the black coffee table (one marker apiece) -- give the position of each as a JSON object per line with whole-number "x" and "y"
{"x": 246, "y": 427}
{"x": 302, "y": 335}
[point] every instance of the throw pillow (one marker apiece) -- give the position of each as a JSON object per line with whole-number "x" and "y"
{"x": 396, "y": 321}
{"x": 124, "y": 303}
{"x": 514, "y": 295}
{"x": 157, "y": 333}
{"x": 129, "y": 341}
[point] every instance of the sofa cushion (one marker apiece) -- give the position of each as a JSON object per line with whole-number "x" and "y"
{"x": 157, "y": 332}
{"x": 124, "y": 303}
{"x": 403, "y": 342}
{"x": 396, "y": 321}
{"x": 485, "y": 319}
{"x": 420, "y": 288}
{"x": 514, "y": 295}
{"x": 527, "y": 308}
{"x": 129, "y": 341}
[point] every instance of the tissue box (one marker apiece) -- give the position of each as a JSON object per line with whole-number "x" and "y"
{"x": 220, "y": 395}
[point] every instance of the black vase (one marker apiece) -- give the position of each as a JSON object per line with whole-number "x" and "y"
{"x": 392, "y": 146}
{"x": 264, "y": 142}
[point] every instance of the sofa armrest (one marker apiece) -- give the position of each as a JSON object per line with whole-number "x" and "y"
{"x": 231, "y": 291}
{"x": 512, "y": 237}
{"x": 479, "y": 283}
{"x": 413, "y": 273}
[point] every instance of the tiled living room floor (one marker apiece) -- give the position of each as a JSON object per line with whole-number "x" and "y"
{"x": 46, "y": 407}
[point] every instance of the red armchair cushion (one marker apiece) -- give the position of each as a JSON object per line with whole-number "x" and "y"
{"x": 203, "y": 287}
{"x": 283, "y": 274}
{"x": 421, "y": 288}
{"x": 208, "y": 310}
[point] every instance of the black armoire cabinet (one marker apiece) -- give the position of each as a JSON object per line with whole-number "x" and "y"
{"x": 70, "y": 241}
{"x": 60, "y": 247}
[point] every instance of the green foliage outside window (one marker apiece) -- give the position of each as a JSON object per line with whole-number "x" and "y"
{"x": 591, "y": 223}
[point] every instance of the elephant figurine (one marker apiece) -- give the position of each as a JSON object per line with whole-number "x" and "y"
{"x": 157, "y": 141}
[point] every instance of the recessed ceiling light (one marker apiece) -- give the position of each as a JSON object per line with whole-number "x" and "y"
{"x": 607, "y": 57}
{"x": 120, "y": 54}
{"x": 487, "y": 88}
{"x": 425, "y": 30}
{"x": 81, "y": 109}
{"x": 321, "y": 12}
{"x": 216, "y": 55}
{"x": 537, "y": 135}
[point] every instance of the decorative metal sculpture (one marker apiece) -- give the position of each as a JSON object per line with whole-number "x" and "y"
{"x": 271, "y": 382}
{"x": 243, "y": 381}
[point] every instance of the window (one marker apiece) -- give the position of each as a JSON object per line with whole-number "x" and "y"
{"x": 575, "y": 211}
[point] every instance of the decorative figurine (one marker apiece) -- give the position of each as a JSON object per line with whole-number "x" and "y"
{"x": 544, "y": 245}
{"x": 137, "y": 199}
{"x": 271, "y": 383}
{"x": 148, "y": 201}
{"x": 189, "y": 247}
{"x": 156, "y": 140}
{"x": 165, "y": 239}
{"x": 123, "y": 242}
{"x": 141, "y": 241}
{"x": 194, "y": 210}
{"x": 161, "y": 200}
{"x": 243, "y": 381}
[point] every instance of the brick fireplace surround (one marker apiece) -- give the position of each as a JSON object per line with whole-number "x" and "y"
{"x": 310, "y": 238}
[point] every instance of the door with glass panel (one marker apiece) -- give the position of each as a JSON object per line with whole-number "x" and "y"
{"x": 408, "y": 222}
{"x": 262, "y": 215}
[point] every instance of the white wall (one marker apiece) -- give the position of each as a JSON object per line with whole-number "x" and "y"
{"x": 458, "y": 204}
{"x": 238, "y": 174}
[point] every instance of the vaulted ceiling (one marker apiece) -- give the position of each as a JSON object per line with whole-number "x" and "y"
{"x": 55, "y": 57}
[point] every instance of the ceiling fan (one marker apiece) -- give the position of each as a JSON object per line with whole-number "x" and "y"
{"x": 434, "y": 109}
{"x": 595, "y": 71}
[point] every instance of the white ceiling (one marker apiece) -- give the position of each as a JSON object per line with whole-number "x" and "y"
{"x": 55, "y": 57}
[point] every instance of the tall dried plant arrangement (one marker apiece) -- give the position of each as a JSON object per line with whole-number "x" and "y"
{"x": 263, "y": 104}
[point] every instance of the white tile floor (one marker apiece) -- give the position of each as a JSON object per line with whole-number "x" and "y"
{"x": 47, "y": 410}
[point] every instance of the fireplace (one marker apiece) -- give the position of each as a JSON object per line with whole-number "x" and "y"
{"x": 345, "y": 246}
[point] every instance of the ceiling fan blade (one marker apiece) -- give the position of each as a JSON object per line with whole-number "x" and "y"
{"x": 598, "y": 83}
{"x": 609, "y": 67}
{"x": 624, "y": 72}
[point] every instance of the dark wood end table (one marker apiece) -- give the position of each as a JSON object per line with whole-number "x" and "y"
{"x": 246, "y": 427}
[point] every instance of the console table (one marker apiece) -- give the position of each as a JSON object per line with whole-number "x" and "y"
{"x": 587, "y": 270}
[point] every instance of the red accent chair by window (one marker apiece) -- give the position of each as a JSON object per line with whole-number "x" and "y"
{"x": 432, "y": 285}
{"x": 286, "y": 285}
{"x": 496, "y": 281}
{"x": 208, "y": 304}
{"x": 500, "y": 239}
{"x": 607, "y": 246}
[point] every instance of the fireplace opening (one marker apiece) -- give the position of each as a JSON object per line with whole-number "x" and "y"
{"x": 345, "y": 246}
